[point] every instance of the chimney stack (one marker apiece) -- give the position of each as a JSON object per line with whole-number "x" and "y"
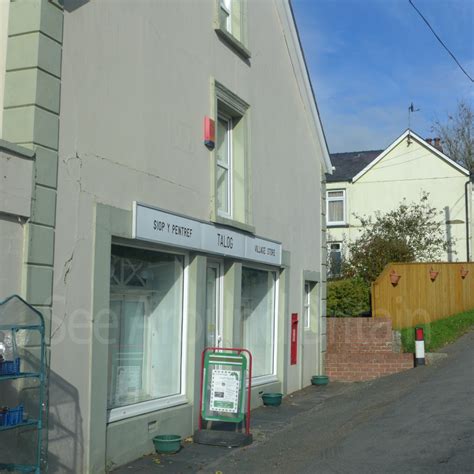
{"x": 429, "y": 140}
{"x": 437, "y": 144}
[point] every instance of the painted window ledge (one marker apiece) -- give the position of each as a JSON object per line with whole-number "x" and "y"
{"x": 233, "y": 42}
{"x": 232, "y": 223}
{"x": 16, "y": 149}
{"x": 128, "y": 411}
{"x": 263, "y": 380}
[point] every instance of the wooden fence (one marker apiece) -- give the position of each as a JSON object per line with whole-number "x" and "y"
{"x": 423, "y": 293}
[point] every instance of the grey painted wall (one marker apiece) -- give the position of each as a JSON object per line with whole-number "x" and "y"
{"x": 16, "y": 189}
{"x": 135, "y": 88}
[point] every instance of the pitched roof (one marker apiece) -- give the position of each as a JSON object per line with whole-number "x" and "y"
{"x": 348, "y": 165}
{"x": 352, "y": 165}
{"x": 410, "y": 135}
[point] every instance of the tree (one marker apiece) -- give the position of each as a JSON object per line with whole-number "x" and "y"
{"x": 457, "y": 135}
{"x": 411, "y": 232}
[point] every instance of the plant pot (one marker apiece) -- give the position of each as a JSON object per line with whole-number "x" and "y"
{"x": 319, "y": 380}
{"x": 433, "y": 275}
{"x": 167, "y": 444}
{"x": 394, "y": 278}
{"x": 272, "y": 399}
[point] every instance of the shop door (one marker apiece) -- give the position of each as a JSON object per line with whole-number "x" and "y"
{"x": 213, "y": 324}
{"x": 310, "y": 350}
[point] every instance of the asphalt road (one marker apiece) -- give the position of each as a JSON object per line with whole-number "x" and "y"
{"x": 419, "y": 421}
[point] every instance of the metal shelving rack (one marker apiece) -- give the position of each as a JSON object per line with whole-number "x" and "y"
{"x": 18, "y": 317}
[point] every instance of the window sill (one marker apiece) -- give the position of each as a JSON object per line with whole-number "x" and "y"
{"x": 337, "y": 225}
{"x": 121, "y": 413}
{"x": 231, "y": 223}
{"x": 264, "y": 380}
{"x": 233, "y": 42}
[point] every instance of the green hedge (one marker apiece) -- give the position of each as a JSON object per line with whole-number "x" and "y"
{"x": 439, "y": 333}
{"x": 350, "y": 297}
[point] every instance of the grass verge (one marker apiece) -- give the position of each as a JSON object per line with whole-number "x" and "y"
{"x": 439, "y": 333}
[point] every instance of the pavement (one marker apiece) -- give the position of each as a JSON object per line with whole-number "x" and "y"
{"x": 418, "y": 421}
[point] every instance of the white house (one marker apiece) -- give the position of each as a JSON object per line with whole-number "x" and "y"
{"x": 367, "y": 182}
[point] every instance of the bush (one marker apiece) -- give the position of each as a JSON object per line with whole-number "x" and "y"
{"x": 412, "y": 232}
{"x": 369, "y": 257}
{"x": 350, "y": 297}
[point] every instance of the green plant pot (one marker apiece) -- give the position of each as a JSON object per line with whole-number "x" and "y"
{"x": 319, "y": 380}
{"x": 167, "y": 444}
{"x": 272, "y": 399}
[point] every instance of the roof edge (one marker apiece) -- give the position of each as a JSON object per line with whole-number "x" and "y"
{"x": 422, "y": 142}
{"x": 295, "y": 51}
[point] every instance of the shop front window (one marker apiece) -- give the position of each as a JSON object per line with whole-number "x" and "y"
{"x": 258, "y": 318}
{"x": 146, "y": 320}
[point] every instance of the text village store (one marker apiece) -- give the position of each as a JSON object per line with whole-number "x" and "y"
{"x": 149, "y": 292}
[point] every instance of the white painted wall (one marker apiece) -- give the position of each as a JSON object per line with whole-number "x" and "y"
{"x": 4, "y": 11}
{"x": 405, "y": 172}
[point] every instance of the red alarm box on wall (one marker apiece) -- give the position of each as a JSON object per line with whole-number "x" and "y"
{"x": 209, "y": 133}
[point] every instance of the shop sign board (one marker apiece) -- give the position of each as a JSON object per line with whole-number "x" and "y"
{"x": 225, "y": 385}
{"x": 156, "y": 225}
{"x": 223, "y": 382}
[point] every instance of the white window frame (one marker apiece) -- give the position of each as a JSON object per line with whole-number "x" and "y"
{"x": 4, "y": 17}
{"x": 140, "y": 408}
{"x": 307, "y": 304}
{"x": 219, "y": 266}
{"x": 226, "y": 5}
{"x": 268, "y": 378}
{"x": 227, "y": 166}
{"x": 329, "y": 251}
{"x": 336, "y": 199}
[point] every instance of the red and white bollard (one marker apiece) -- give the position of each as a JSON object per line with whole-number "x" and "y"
{"x": 419, "y": 347}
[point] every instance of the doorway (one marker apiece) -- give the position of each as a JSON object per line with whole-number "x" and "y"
{"x": 214, "y": 304}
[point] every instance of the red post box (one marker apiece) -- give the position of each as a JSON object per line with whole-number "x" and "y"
{"x": 294, "y": 338}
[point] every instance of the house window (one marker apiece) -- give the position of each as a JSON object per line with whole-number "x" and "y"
{"x": 307, "y": 305}
{"x": 4, "y": 14}
{"x": 145, "y": 331}
{"x": 224, "y": 165}
{"x": 232, "y": 187}
{"x": 336, "y": 207}
{"x": 335, "y": 259}
{"x": 226, "y": 14}
{"x": 258, "y": 314}
{"x": 230, "y": 24}
{"x": 231, "y": 18}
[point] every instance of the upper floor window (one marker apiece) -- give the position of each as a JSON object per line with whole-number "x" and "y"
{"x": 4, "y": 14}
{"x": 224, "y": 165}
{"x": 334, "y": 259}
{"x": 336, "y": 207}
{"x": 231, "y": 167}
{"x": 226, "y": 14}
{"x": 230, "y": 24}
{"x": 307, "y": 304}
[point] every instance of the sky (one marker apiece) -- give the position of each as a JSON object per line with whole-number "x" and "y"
{"x": 370, "y": 59}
